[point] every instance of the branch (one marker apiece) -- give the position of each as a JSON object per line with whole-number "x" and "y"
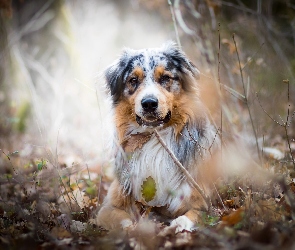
{"x": 274, "y": 120}
{"x": 184, "y": 171}
{"x": 174, "y": 23}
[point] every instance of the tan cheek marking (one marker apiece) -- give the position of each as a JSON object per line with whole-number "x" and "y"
{"x": 181, "y": 111}
{"x": 132, "y": 98}
{"x": 186, "y": 106}
{"x": 124, "y": 115}
{"x": 179, "y": 105}
{"x": 165, "y": 99}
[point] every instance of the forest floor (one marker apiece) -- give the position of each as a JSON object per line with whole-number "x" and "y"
{"x": 44, "y": 207}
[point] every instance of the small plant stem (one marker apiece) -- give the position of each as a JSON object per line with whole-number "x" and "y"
{"x": 287, "y": 124}
{"x": 221, "y": 113}
{"x": 184, "y": 171}
{"x": 7, "y": 156}
{"x": 288, "y": 113}
{"x": 220, "y": 199}
{"x": 88, "y": 171}
{"x": 281, "y": 181}
{"x": 288, "y": 141}
{"x": 246, "y": 99}
{"x": 284, "y": 124}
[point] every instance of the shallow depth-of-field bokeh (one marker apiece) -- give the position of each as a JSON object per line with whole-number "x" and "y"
{"x": 57, "y": 130}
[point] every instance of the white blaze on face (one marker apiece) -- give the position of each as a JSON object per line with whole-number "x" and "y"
{"x": 149, "y": 90}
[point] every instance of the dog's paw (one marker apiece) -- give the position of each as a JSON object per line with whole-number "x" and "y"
{"x": 182, "y": 223}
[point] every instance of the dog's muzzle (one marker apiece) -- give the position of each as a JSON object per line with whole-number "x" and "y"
{"x": 150, "y": 115}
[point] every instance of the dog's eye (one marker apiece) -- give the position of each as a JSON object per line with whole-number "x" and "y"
{"x": 164, "y": 78}
{"x": 133, "y": 82}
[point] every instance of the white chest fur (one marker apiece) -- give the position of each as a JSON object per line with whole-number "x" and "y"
{"x": 152, "y": 160}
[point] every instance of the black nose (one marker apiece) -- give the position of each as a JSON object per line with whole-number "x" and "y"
{"x": 149, "y": 104}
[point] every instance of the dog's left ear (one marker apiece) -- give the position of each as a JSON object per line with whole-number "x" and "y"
{"x": 179, "y": 59}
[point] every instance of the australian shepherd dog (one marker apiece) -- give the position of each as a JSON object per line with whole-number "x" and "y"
{"x": 156, "y": 90}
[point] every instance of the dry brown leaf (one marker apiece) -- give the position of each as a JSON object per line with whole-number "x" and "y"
{"x": 231, "y": 45}
{"x": 233, "y": 218}
{"x": 292, "y": 187}
{"x": 135, "y": 141}
{"x": 270, "y": 209}
{"x": 229, "y": 203}
{"x": 287, "y": 208}
{"x": 60, "y": 233}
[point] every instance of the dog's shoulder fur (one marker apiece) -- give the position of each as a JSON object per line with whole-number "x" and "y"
{"x": 156, "y": 89}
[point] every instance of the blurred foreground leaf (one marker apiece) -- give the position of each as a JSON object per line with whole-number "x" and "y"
{"x": 148, "y": 189}
{"x": 234, "y": 218}
{"x": 22, "y": 115}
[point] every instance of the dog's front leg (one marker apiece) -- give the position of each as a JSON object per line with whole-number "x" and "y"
{"x": 113, "y": 213}
{"x": 191, "y": 209}
{"x": 186, "y": 222}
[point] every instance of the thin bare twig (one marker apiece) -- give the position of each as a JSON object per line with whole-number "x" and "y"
{"x": 274, "y": 120}
{"x": 7, "y": 156}
{"x": 194, "y": 139}
{"x": 215, "y": 136}
{"x": 245, "y": 94}
{"x": 180, "y": 20}
{"x": 251, "y": 58}
{"x": 220, "y": 199}
{"x": 220, "y": 89}
{"x": 184, "y": 171}
{"x": 230, "y": 90}
{"x": 289, "y": 145}
{"x": 284, "y": 124}
{"x": 288, "y": 193}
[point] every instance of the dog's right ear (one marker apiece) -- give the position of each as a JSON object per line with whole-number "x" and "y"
{"x": 117, "y": 73}
{"x": 179, "y": 59}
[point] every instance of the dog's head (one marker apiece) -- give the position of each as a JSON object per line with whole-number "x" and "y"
{"x": 149, "y": 82}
